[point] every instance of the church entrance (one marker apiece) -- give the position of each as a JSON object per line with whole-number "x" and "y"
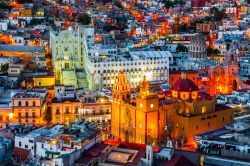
{"x": 127, "y": 136}
{"x": 66, "y": 65}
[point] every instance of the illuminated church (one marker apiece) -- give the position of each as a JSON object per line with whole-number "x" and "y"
{"x": 184, "y": 112}
{"x": 140, "y": 120}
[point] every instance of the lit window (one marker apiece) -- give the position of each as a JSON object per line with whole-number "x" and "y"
{"x": 151, "y": 105}
{"x": 141, "y": 105}
{"x": 203, "y": 109}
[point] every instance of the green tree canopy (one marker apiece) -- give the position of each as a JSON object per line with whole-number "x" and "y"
{"x": 5, "y": 67}
{"x": 168, "y": 4}
{"x": 84, "y": 19}
{"x": 216, "y": 14}
{"x": 211, "y": 51}
{"x": 181, "y": 48}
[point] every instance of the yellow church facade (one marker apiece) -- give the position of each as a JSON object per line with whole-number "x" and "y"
{"x": 183, "y": 113}
{"x": 135, "y": 120}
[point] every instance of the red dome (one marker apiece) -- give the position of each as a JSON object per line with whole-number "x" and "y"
{"x": 185, "y": 85}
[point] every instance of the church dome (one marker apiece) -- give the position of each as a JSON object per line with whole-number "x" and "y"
{"x": 185, "y": 85}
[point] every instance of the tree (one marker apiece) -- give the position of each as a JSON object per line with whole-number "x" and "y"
{"x": 211, "y": 51}
{"x": 183, "y": 28}
{"x": 84, "y": 19}
{"x": 179, "y": 2}
{"x": 168, "y": 4}
{"x": 216, "y": 14}
{"x": 119, "y": 4}
{"x": 181, "y": 48}
{"x": 48, "y": 114}
{"x": 5, "y": 67}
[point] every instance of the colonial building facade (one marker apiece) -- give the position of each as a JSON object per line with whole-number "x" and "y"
{"x": 29, "y": 107}
{"x": 154, "y": 64}
{"x": 67, "y": 112}
{"x": 68, "y": 51}
{"x": 183, "y": 113}
{"x": 141, "y": 120}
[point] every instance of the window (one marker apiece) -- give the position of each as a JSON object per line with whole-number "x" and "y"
{"x": 76, "y": 110}
{"x": 223, "y": 119}
{"x": 19, "y": 103}
{"x": 197, "y": 127}
{"x": 34, "y": 103}
{"x": 26, "y": 103}
{"x": 208, "y": 124}
{"x": 19, "y": 155}
{"x": 31, "y": 141}
{"x": 67, "y": 110}
{"x": 42, "y": 146}
{"x": 20, "y": 144}
{"x": 57, "y": 111}
{"x": 19, "y": 114}
{"x": 26, "y": 146}
{"x": 203, "y": 109}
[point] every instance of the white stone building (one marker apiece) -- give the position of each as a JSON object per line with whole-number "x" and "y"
{"x": 101, "y": 72}
{"x": 68, "y": 51}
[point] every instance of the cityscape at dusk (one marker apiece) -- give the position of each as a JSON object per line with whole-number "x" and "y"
{"x": 124, "y": 82}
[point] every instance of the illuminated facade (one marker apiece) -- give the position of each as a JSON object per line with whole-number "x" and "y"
{"x": 29, "y": 107}
{"x": 185, "y": 112}
{"x": 219, "y": 79}
{"x": 102, "y": 72}
{"x": 190, "y": 112}
{"x": 67, "y": 112}
{"x": 139, "y": 121}
{"x": 6, "y": 116}
{"x": 69, "y": 50}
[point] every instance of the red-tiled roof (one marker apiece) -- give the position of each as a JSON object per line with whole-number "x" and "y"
{"x": 21, "y": 154}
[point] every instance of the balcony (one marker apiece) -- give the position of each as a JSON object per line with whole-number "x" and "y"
{"x": 235, "y": 154}
{"x": 27, "y": 117}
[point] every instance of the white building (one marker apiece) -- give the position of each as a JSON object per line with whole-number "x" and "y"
{"x": 101, "y": 72}
{"x": 3, "y": 26}
{"x": 29, "y": 140}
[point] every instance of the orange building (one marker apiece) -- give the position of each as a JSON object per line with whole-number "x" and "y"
{"x": 139, "y": 121}
{"x": 219, "y": 80}
{"x": 190, "y": 112}
{"x": 184, "y": 112}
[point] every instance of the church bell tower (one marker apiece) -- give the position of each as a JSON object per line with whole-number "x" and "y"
{"x": 120, "y": 95}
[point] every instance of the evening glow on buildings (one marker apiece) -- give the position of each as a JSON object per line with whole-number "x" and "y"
{"x": 100, "y": 82}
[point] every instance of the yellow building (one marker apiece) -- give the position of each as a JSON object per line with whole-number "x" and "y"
{"x": 67, "y": 112}
{"x": 6, "y": 116}
{"x": 139, "y": 121}
{"x": 191, "y": 112}
{"x": 44, "y": 81}
{"x": 29, "y": 107}
{"x": 183, "y": 113}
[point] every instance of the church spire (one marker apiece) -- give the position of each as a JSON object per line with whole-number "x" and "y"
{"x": 144, "y": 87}
{"x": 121, "y": 91}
